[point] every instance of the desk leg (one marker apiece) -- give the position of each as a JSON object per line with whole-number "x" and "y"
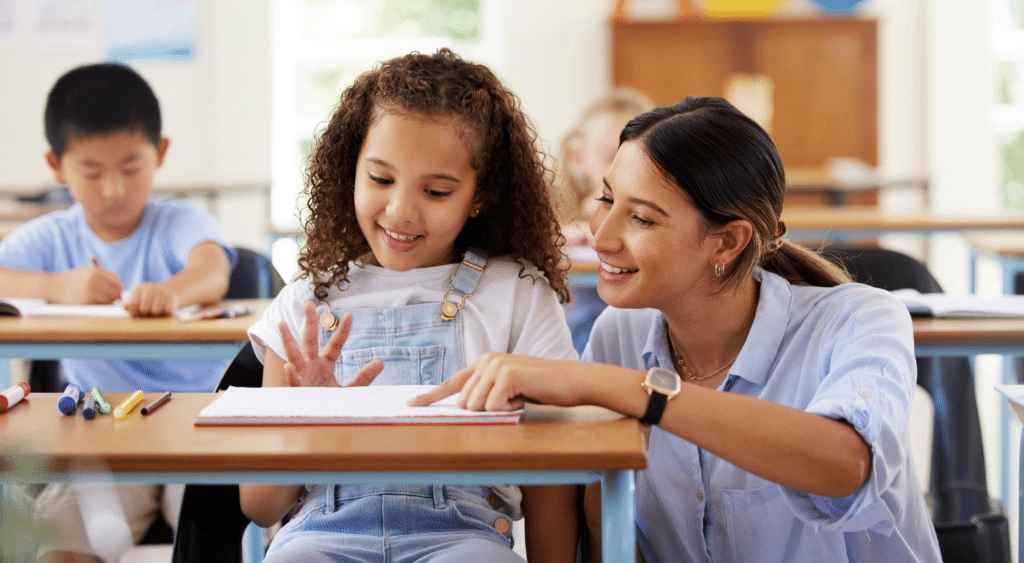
{"x": 1020, "y": 503}
{"x": 618, "y": 537}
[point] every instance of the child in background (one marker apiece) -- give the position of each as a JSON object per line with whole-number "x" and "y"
{"x": 431, "y": 240}
{"x": 587, "y": 152}
{"x": 103, "y": 125}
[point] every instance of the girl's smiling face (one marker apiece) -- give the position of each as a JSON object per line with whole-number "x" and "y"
{"x": 650, "y": 239}
{"x": 415, "y": 188}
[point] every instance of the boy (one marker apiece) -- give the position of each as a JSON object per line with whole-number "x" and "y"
{"x": 102, "y": 122}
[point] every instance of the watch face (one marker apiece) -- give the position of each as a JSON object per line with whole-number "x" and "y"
{"x": 663, "y": 380}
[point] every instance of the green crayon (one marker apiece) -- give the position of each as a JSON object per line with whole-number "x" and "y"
{"x": 102, "y": 404}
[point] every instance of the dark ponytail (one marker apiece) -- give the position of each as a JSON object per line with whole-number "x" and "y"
{"x": 729, "y": 168}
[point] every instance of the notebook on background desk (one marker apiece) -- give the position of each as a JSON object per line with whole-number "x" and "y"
{"x": 27, "y": 307}
{"x": 949, "y": 306}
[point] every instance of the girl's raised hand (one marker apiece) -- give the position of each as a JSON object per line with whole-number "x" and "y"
{"x": 501, "y": 382}
{"x": 308, "y": 366}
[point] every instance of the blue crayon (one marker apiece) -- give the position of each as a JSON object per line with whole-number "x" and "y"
{"x": 88, "y": 411}
{"x": 68, "y": 402}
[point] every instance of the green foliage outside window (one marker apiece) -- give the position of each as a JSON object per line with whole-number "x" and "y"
{"x": 452, "y": 19}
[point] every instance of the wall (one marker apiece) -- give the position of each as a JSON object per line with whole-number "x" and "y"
{"x": 935, "y": 89}
{"x": 215, "y": 108}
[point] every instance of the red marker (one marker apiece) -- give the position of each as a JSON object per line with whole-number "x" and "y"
{"x": 11, "y": 396}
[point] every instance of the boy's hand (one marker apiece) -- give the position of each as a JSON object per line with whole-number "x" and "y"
{"x": 308, "y": 366}
{"x": 90, "y": 285}
{"x": 150, "y": 300}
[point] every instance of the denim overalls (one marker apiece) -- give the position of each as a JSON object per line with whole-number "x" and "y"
{"x": 380, "y": 522}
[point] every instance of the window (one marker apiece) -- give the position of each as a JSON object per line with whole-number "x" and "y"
{"x": 1008, "y": 113}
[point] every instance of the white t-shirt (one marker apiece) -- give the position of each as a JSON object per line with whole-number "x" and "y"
{"x": 506, "y": 313}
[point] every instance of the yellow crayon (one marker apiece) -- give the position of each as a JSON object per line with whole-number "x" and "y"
{"x": 129, "y": 404}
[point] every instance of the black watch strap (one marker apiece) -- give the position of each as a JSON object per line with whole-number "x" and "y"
{"x": 655, "y": 408}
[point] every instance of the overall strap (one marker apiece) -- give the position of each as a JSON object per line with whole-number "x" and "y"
{"x": 464, "y": 282}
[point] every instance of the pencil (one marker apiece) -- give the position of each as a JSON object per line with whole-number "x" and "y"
{"x": 156, "y": 403}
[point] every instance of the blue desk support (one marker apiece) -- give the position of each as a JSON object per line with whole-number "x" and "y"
{"x": 1009, "y": 268}
{"x": 113, "y": 350}
{"x": 1008, "y": 351}
{"x": 1020, "y": 502}
{"x": 617, "y": 492}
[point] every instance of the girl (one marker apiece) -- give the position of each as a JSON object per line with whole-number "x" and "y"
{"x": 431, "y": 240}
{"x": 587, "y": 151}
{"x": 778, "y": 392}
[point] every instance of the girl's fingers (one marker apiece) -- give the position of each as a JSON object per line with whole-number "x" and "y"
{"x": 310, "y": 343}
{"x": 291, "y": 347}
{"x": 366, "y": 375}
{"x": 334, "y": 345}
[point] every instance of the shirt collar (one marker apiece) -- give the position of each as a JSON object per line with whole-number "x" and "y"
{"x": 758, "y": 353}
{"x": 771, "y": 321}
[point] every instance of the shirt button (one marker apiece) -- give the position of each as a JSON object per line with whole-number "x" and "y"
{"x": 493, "y": 500}
{"x": 865, "y": 394}
{"x": 501, "y": 525}
{"x": 700, "y": 495}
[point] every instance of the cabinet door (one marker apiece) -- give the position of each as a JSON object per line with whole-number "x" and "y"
{"x": 824, "y": 73}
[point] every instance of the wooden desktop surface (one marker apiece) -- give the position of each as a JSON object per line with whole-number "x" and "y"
{"x": 148, "y": 330}
{"x": 1000, "y": 244}
{"x": 547, "y": 438}
{"x": 969, "y": 331}
{"x": 838, "y": 219}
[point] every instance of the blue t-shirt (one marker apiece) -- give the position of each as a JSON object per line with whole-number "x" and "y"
{"x": 844, "y": 352}
{"x": 158, "y": 249}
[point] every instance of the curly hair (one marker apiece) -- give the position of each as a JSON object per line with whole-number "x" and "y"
{"x": 516, "y": 218}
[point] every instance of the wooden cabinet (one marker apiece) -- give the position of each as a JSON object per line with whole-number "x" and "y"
{"x": 824, "y": 73}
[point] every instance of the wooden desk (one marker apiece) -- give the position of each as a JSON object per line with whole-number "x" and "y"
{"x": 969, "y": 337}
{"x": 150, "y": 339}
{"x": 550, "y": 446}
{"x": 1006, "y": 248}
{"x": 821, "y": 224}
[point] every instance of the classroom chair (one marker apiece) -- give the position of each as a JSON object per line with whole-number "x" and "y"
{"x": 967, "y": 527}
{"x": 211, "y": 523}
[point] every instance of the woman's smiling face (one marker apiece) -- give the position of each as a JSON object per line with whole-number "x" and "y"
{"x": 649, "y": 237}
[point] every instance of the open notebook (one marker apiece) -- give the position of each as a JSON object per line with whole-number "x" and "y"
{"x": 374, "y": 404}
{"x": 25, "y": 307}
{"x": 945, "y": 305}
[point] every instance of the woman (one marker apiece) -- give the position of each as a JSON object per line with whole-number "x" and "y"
{"x": 784, "y": 435}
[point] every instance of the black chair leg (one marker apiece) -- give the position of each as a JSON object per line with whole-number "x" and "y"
{"x": 210, "y": 536}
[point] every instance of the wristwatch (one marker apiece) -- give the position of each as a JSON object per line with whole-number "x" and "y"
{"x": 662, "y": 385}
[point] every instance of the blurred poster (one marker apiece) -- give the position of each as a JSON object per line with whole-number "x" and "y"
{"x": 63, "y": 23}
{"x": 6, "y": 22}
{"x": 150, "y": 29}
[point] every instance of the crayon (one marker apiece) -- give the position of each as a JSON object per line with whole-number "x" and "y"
{"x": 68, "y": 402}
{"x": 102, "y": 404}
{"x": 88, "y": 411}
{"x": 124, "y": 409}
{"x": 156, "y": 403}
{"x": 11, "y": 396}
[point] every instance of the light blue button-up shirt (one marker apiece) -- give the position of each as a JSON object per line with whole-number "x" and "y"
{"x": 845, "y": 352}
